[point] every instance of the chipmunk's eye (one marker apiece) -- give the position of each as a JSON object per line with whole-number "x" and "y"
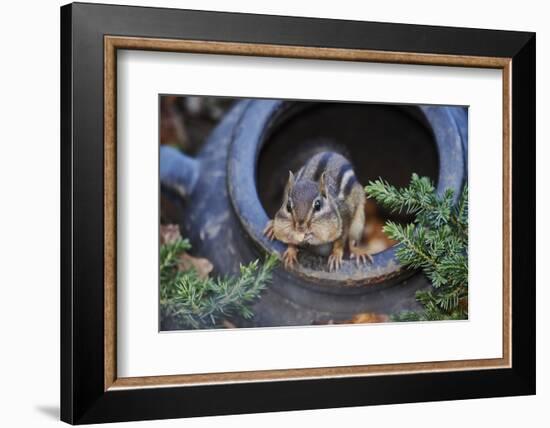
{"x": 288, "y": 207}
{"x": 317, "y": 205}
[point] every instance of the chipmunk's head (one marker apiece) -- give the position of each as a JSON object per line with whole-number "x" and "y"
{"x": 308, "y": 214}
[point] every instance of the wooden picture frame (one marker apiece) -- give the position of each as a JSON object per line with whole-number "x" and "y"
{"x": 90, "y": 389}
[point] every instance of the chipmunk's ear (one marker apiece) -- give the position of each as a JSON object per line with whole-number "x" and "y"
{"x": 323, "y": 184}
{"x": 289, "y": 183}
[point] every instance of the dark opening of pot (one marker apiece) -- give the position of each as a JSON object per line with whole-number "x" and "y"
{"x": 385, "y": 141}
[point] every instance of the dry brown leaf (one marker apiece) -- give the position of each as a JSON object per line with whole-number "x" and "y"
{"x": 362, "y": 318}
{"x": 172, "y": 123}
{"x": 228, "y": 324}
{"x": 373, "y": 235}
{"x": 169, "y": 233}
{"x": 202, "y": 266}
{"x": 366, "y": 317}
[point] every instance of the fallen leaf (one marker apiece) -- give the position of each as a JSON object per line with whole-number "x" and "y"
{"x": 202, "y": 266}
{"x": 228, "y": 324}
{"x": 362, "y": 318}
{"x": 373, "y": 235}
{"x": 169, "y": 233}
{"x": 172, "y": 123}
{"x": 368, "y": 317}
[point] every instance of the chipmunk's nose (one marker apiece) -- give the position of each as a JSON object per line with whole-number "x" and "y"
{"x": 301, "y": 227}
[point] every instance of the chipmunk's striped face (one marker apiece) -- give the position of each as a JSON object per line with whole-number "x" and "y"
{"x": 307, "y": 215}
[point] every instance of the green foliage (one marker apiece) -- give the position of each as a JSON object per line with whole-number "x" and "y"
{"x": 194, "y": 302}
{"x": 437, "y": 243}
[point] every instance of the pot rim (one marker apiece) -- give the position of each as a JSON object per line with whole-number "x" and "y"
{"x": 252, "y": 131}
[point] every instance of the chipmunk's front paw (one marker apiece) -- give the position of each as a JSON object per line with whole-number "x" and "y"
{"x": 268, "y": 231}
{"x": 335, "y": 259}
{"x": 290, "y": 257}
{"x": 360, "y": 255}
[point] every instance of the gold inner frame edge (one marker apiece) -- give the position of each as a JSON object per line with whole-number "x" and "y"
{"x": 113, "y": 43}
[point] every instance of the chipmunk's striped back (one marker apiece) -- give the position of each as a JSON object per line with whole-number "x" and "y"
{"x": 338, "y": 170}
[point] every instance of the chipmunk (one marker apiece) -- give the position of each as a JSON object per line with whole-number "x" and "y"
{"x": 322, "y": 204}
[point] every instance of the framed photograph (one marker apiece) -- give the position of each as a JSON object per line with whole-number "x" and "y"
{"x": 265, "y": 213}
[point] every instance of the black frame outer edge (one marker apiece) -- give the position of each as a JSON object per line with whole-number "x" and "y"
{"x": 524, "y": 213}
{"x": 82, "y": 397}
{"x": 66, "y": 316}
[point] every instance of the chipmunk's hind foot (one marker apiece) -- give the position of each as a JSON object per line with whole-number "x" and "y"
{"x": 290, "y": 257}
{"x": 269, "y": 232}
{"x": 359, "y": 254}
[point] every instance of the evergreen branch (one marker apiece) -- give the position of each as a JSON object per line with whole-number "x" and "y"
{"x": 416, "y": 198}
{"x": 412, "y": 252}
{"x": 169, "y": 253}
{"x": 461, "y": 214}
{"x": 437, "y": 243}
{"x": 194, "y": 302}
